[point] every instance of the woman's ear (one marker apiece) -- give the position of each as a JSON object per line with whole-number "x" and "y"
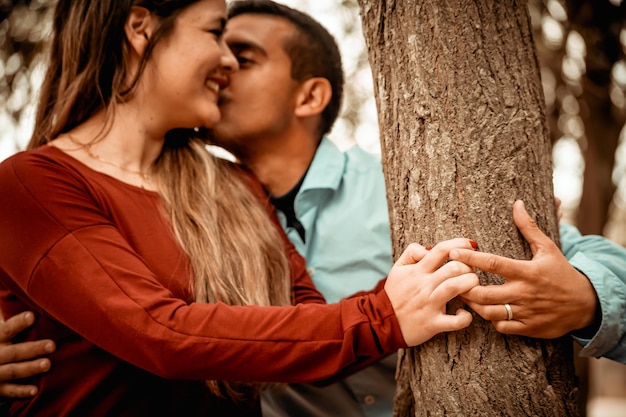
{"x": 139, "y": 28}
{"x": 313, "y": 96}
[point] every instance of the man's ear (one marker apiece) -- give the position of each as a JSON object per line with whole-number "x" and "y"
{"x": 138, "y": 28}
{"x": 313, "y": 96}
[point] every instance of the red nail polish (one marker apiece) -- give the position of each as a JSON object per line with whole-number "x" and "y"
{"x": 428, "y": 248}
{"x": 474, "y": 244}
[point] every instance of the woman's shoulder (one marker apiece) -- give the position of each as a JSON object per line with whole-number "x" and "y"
{"x": 31, "y": 157}
{"x": 45, "y": 159}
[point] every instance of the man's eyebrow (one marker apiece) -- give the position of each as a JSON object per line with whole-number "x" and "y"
{"x": 240, "y": 46}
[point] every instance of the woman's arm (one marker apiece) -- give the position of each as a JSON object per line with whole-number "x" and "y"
{"x": 68, "y": 258}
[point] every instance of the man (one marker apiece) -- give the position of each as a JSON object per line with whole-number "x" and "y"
{"x": 273, "y": 117}
{"x": 275, "y": 113}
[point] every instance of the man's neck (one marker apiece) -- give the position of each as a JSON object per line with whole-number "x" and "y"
{"x": 280, "y": 168}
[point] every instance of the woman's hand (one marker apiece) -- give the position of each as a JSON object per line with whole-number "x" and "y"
{"x": 420, "y": 284}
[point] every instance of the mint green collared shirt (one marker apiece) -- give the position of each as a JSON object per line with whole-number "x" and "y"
{"x": 604, "y": 263}
{"x": 343, "y": 208}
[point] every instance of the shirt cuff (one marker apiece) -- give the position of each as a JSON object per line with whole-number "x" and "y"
{"x": 611, "y": 294}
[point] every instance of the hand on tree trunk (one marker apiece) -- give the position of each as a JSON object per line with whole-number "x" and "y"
{"x": 547, "y": 295}
{"x": 421, "y": 283}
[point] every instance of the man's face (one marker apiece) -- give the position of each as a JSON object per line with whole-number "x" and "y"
{"x": 259, "y": 102}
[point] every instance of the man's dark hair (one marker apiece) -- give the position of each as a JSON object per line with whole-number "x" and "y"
{"x": 312, "y": 50}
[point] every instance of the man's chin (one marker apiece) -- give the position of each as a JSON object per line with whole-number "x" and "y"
{"x": 220, "y": 137}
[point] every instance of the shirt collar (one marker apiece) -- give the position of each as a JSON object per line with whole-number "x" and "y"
{"x": 326, "y": 169}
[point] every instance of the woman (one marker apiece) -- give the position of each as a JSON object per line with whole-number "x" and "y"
{"x": 117, "y": 219}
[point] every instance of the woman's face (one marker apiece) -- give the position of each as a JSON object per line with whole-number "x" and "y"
{"x": 187, "y": 68}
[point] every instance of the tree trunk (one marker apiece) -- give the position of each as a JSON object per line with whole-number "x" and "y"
{"x": 463, "y": 135}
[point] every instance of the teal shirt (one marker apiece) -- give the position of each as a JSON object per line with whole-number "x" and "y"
{"x": 342, "y": 206}
{"x": 604, "y": 263}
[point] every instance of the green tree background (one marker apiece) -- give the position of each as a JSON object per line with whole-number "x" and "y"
{"x": 581, "y": 46}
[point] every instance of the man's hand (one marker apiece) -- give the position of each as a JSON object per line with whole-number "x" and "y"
{"x": 548, "y": 297}
{"x": 18, "y": 360}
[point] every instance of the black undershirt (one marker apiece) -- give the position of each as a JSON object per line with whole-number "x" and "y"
{"x": 285, "y": 204}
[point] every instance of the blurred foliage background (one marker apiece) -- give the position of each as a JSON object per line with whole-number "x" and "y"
{"x": 581, "y": 48}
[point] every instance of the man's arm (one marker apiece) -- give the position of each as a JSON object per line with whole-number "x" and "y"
{"x": 604, "y": 264}
{"x": 581, "y": 289}
{"x": 21, "y": 360}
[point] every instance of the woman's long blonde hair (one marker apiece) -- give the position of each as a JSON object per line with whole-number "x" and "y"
{"x": 234, "y": 248}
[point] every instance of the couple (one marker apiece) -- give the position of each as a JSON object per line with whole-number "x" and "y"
{"x": 108, "y": 276}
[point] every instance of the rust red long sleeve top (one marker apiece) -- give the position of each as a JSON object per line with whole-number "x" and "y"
{"x": 95, "y": 259}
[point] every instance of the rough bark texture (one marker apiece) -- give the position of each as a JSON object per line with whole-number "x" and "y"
{"x": 464, "y": 134}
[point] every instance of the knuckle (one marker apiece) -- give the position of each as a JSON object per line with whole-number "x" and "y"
{"x": 12, "y": 353}
{"x": 413, "y": 247}
{"x": 8, "y": 354}
{"x": 6, "y": 391}
{"x": 501, "y": 326}
{"x": 492, "y": 263}
{"x": 11, "y": 372}
{"x": 458, "y": 268}
{"x": 6, "y": 331}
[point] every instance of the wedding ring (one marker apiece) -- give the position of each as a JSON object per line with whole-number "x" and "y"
{"x": 509, "y": 311}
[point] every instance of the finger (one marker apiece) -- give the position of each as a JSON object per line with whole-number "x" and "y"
{"x": 511, "y": 327}
{"x": 411, "y": 255}
{"x": 453, "y": 268}
{"x": 448, "y": 271}
{"x": 25, "y": 350}
{"x": 495, "y": 294}
{"x": 441, "y": 252}
{"x": 458, "y": 321}
{"x": 492, "y": 312}
{"x": 18, "y": 370}
{"x": 489, "y": 262}
{"x": 452, "y": 287}
{"x": 17, "y": 391}
{"x": 10, "y": 328}
{"x": 528, "y": 227}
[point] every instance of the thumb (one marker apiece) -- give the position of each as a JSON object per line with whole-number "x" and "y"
{"x": 527, "y": 226}
{"x": 460, "y": 320}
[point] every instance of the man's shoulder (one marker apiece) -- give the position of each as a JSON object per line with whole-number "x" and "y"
{"x": 360, "y": 161}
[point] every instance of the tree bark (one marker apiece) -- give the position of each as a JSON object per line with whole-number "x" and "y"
{"x": 463, "y": 135}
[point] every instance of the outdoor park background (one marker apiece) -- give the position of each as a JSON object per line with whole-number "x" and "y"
{"x": 580, "y": 44}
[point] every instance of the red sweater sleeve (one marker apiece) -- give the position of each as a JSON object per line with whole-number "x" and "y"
{"x": 62, "y": 252}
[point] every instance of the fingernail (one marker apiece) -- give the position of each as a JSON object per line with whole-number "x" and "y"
{"x": 43, "y": 364}
{"x": 474, "y": 244}
{"x": 32, "y": 391}
{"x": 49, "y": 347}
{"x": 428, "y": 248}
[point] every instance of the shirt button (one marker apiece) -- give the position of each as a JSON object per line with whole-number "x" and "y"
{"x": 369, "y": 400}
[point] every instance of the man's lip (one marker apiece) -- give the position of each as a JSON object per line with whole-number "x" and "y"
{"x": 222, "y": 99}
